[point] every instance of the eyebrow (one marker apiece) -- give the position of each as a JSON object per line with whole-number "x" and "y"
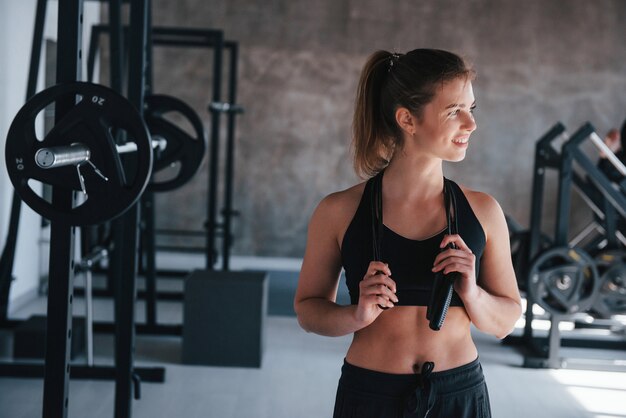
{"x": 453, "y": 105}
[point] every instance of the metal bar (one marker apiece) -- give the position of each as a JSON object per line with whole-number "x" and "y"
{"x": 588, "y": 193}
{"x": 59, "y": 310}
{"x": 125, "y": 303}
{"x": 149, "y": 72}
{"x": 230, "y": 161}
{"x": 545, "y": 157}
{"x": 79, "y": 153}
{"x": 214, "y": 157}
{"x": 593, "y": 226}
{"x": 179, "y": 232}
{"x": 142, "y": 329}
{"x": 615, "y": 197}
{"x": 564, "y": 198}
{"x": 610, "y": 224}
{"x": 150, "y": 253}
{"x": 175, "y": 36}
{"x": 94, "y": 38}
{"x": 599, "y": 143}
{"x": 116, "y": 46}
{"x": 89, "y": 316}
{"x": 79, "y": 371}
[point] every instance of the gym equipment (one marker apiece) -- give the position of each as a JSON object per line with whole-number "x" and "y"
{"x": 74, "y": 115}
{"x": 564, "y": 281}
{"x": 82, "y": 138}
{"x": 224, "y": 334}
{"x": 181, "y": 148}
{"x": 212, "y": 39}
{"x": 611, "y": 299}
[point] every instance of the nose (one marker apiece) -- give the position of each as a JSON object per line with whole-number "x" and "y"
{"x": 469, "y": 123}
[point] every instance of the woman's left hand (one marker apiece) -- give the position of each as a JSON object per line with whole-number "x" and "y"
{"x": 462, "y": 260}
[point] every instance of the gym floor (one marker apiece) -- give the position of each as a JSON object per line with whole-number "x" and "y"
{"x": 299, "y": 374}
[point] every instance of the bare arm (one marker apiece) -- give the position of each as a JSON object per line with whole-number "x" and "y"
{"x": 493, "y": 301}
{"x": 316, "y": 294}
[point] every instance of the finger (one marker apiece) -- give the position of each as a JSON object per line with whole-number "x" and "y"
{"x": 386, "y": 292}
{"x": 378, "y": 266}
{"x": 462, "y": 268}
{"x": 449, "y": 253}
{"x": 382, "y": 302}
{"x": 380, "y": 279}
{"x": 378, "y": 300}
{"x": 380, "y": 289}
{"x": 454, "y": 239}
{"x": 444, "y": 265}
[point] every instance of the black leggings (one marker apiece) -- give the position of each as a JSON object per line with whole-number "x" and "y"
{"x": 459, "y": 393}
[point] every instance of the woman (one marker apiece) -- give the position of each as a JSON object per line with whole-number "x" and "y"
{"x": 413, "y": 112}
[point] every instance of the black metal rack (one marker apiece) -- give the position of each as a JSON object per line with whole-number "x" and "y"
{"x": 605, "y": 200}
{"x": 57, "y": 369}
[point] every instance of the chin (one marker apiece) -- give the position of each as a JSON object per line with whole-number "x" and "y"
{"x": 458, "y": 157}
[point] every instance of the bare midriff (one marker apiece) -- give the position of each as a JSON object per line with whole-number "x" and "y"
{"x": 399, "y": 341}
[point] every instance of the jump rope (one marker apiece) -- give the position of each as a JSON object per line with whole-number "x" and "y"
{"x": 443, "y": 284}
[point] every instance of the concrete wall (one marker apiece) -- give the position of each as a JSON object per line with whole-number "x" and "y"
{"x": 538, "y": 62}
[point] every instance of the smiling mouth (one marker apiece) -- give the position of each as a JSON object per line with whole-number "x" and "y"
{"x": 462, "y": 140}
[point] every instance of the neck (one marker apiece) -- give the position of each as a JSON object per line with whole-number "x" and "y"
{"x": 413, "y": 177}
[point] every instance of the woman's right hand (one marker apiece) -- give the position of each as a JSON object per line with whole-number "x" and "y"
{"x": 376, "y": 292}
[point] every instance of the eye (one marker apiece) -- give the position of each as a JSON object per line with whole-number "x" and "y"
{"x": 472, "y": 109}
{"x": 454, "y": 112}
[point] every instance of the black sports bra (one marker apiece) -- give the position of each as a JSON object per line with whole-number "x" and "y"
{"x": 410, "y": 261}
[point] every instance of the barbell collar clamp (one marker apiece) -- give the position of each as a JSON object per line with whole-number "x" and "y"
{"x": 224, "y": 107}
{"x": 79, "y": 153}
{"x": 54, "y": 157}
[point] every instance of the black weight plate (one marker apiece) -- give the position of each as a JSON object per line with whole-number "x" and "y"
{"x": 563, "y": 281}
{"x": 181, "y": 148}
{"x": 97, "y": 114}
{"x": 611, "y": 299}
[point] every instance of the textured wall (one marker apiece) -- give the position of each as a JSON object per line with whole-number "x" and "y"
{"x": 538, "y": 62}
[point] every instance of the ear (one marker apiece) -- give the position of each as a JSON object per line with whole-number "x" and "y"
{"x": 405, "y": 120}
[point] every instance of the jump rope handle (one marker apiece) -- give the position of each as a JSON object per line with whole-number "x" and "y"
{"x": 377, "y": 221}
{"x": 443, "y": 284}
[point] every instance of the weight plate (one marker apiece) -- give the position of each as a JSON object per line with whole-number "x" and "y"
{"x": 181, "y": 148}
{"x": 97, "y": 115}
{"x": 563, "y": 281}
{"x": 611, "y": 299}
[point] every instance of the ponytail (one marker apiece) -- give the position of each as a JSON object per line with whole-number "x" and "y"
{"x": 372, "y": 132}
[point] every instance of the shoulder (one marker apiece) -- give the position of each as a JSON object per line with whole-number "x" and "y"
{"x": 340, "y": 204}
{"x": 481, "y": 201}
{"x": 335, "y": 212}
{"x": 485, "y": 207}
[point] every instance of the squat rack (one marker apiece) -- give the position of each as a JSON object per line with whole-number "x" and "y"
{"x": 56, "y": 370}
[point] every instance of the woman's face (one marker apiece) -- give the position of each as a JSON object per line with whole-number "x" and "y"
{"x": 448, "y": 121}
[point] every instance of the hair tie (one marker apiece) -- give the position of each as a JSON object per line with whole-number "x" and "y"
{"x": 392, "y": 58}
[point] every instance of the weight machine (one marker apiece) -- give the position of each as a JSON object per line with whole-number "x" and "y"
{"x": 564, "y": 278}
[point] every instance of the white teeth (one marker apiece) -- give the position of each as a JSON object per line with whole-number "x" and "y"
{"x": 460, "y": 141}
